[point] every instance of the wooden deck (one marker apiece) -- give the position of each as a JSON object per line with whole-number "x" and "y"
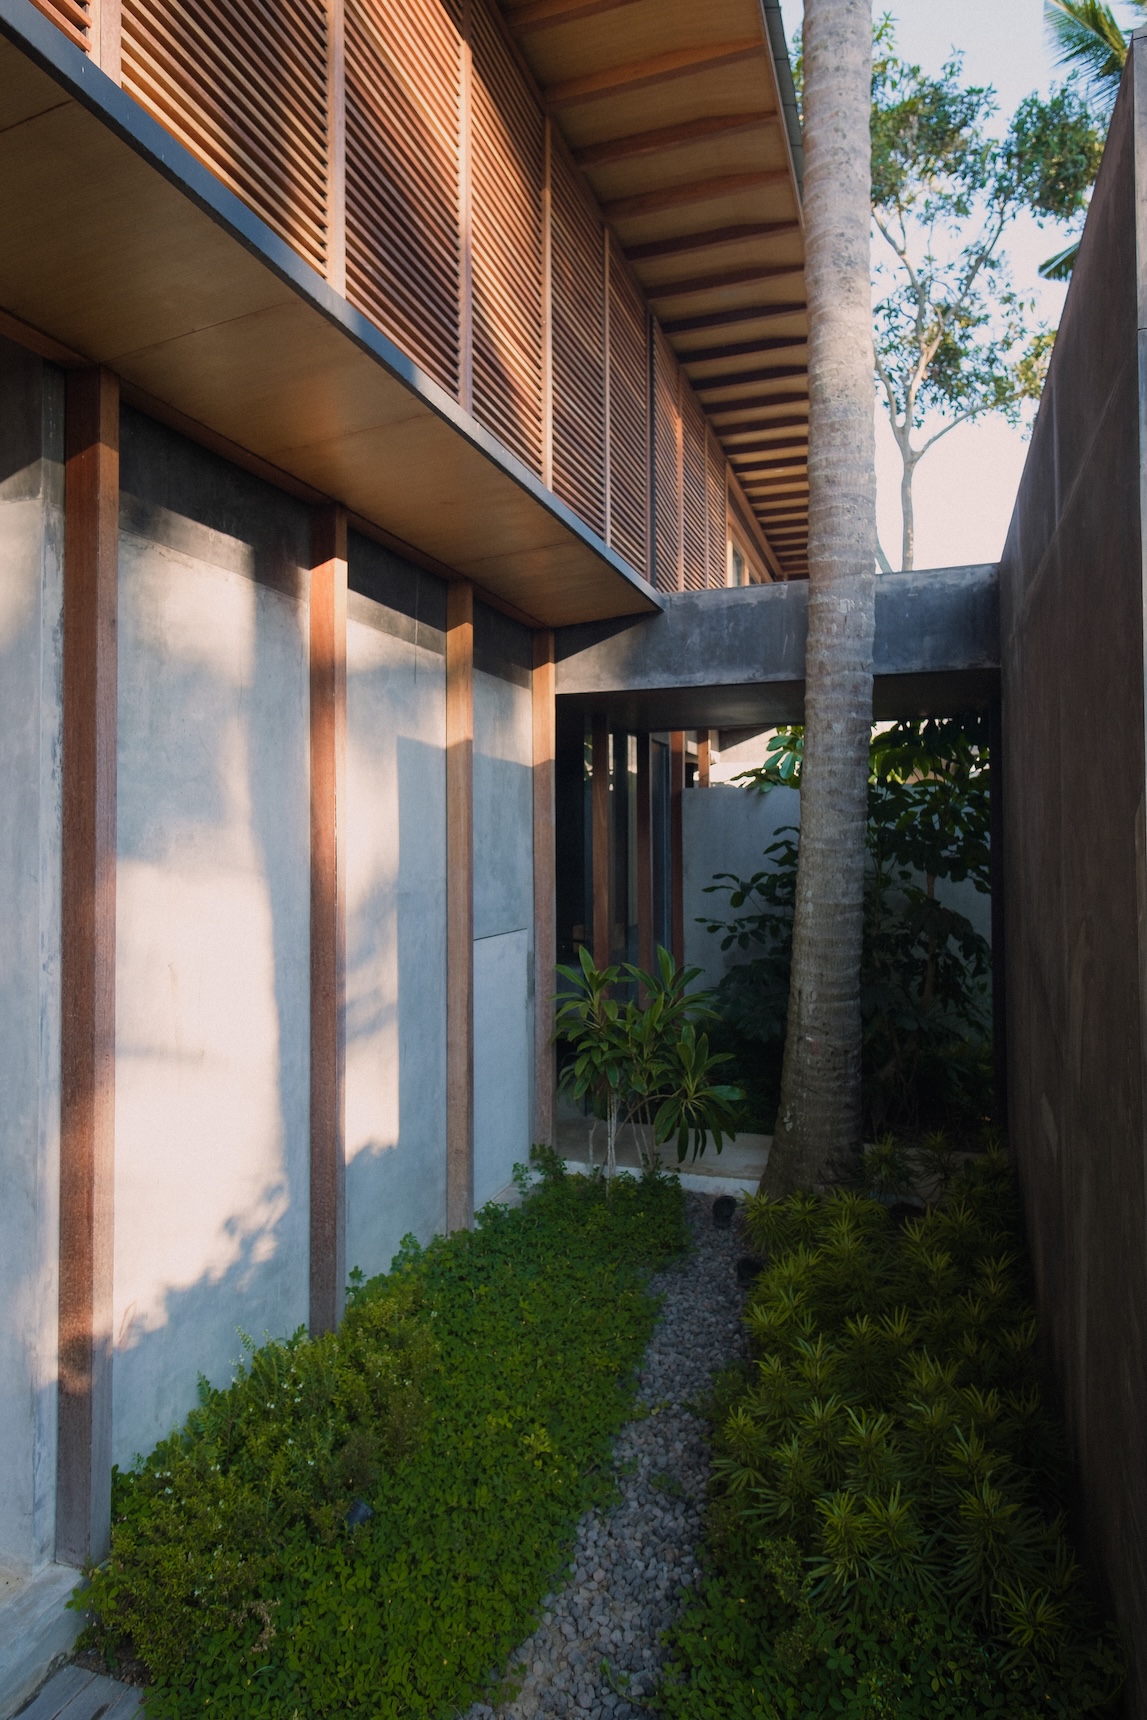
{"x": 74, "y": 1694}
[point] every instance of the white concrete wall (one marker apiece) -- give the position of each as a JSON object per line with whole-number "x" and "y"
{"x": 31, "y": 589}
{"x": 213, "y": 959}
{"x": 503, "y": 901}
{"x": 396, "y": 893}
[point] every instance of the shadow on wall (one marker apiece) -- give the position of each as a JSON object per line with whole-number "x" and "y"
{"x": 212, "y": 934}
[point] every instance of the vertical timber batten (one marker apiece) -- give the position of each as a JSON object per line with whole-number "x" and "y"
{"x": 545, "y": 883}
{"x": 548, "y": 309}
{"x": 336, "y": 145}
{"x": 645, "y": 852}
{"x": 87, "y": 968}
{"x": 459, "y": 905}
{"x": 104, "y": 36}
{"x": 677, "y": 843}
{"x": 465, "y": 215}
{"x": 599, "y": 839}
{"x": 328, "y": 604}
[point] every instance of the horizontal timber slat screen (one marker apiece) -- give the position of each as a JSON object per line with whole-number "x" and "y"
{"x": 406, "y": 137}
{"x": 578, "y": 289}
{"x": 403, "y": 101}
{"x": 243, "y": 84}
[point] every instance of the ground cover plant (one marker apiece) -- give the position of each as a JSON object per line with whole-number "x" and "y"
{"x": 365, "y": 1524}
{"x": 886, "y": 1535}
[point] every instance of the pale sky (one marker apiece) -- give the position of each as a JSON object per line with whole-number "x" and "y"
{"x": 965, "y": 488}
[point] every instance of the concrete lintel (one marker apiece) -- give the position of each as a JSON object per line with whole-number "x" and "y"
{"x": 735, "y": 659}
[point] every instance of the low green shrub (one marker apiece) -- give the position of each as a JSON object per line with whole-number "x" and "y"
{"x": 467, "y": 1399}
{"x": 886, "y": 1526}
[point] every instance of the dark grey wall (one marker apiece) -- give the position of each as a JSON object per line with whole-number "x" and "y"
{"x": 1072, "y": 643}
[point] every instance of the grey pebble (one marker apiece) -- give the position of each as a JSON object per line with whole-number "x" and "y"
{"x": 632, "y": 1565}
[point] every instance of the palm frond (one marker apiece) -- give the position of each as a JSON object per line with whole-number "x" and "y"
{"x": 1088, "y": 38}
{"x": 1059, "y": 267}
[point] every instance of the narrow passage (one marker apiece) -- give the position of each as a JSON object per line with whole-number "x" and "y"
{"x": 600, "y": 1638}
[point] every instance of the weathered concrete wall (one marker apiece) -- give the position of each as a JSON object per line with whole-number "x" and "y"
{"x": 212, "y": 991}
{"x": 31, "y": 587}
{"x": 503, "y": 900}
{"x": 1072, "y": 630}
{"x": 396, "y": 888}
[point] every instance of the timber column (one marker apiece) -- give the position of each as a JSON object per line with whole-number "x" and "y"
{"x": 328, "y": 599}
{"x": 545, "y": 885}
{"x": 87, "y": 967}
{"x": 459, "y": 906}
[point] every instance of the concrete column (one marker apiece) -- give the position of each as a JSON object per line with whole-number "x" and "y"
{"x": 599, "y": 841}
{"x": 644, "y": 834}
{"x": 545, "y": 903}
{"x": 677, "y": 844}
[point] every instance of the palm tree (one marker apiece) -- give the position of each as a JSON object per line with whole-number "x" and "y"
{"x": 1088, "y": 39}
{"x": 818, "y": 1123}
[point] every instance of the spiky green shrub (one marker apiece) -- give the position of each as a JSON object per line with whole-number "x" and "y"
{"x": 467, "y": 1399}
{"x": 887, "y": 1535}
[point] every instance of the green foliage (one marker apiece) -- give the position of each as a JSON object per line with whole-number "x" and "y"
{"x": 923, "y": 966}
{"x": 1089, "y": 41}
{"x": 886, "y": 1527}
{"x": 643, "y": 1060}
{"x": 443, "y": 1402}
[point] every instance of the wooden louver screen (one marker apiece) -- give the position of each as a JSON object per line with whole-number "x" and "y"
{"x": 628, "y": 416}
{"x": 403, "y": 91}
{"x": 243, "y": 84}
{"x": 74, "y": 18}
{"x": 717, "y": 508}
{"x": 667, "y": 452}
{"x": 694, "y": 504}
{"x": 577, "y": 275}
{"x": 507, "y": 161}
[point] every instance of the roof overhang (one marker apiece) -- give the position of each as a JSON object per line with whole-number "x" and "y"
{"x": 682, "y": 117}
{"x": 120, "y": 249}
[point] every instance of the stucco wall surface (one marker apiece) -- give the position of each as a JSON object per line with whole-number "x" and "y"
{"x": 213, "y": 961}
{"x": 503, "y": 900}
{"x": 31, "y": 589}
{"x": 1071, "y": 587}
{"x": 396, "y": 889}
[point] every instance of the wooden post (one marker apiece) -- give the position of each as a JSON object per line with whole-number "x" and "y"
{"x": 104, "y": 33}
{"x": 599, "y": 841}
{"x": 328, "y": 599}
{"x": 548, "y": 309}
{"x": 545, "y": 885}
{"x": 644, "y": 836}
{"x": 336, "y": 145}
{"x": 465, "y": 216}
{"x": 87, "y": 967}
{"x": 459, "y": 906}
{"x": 676, "y": 843}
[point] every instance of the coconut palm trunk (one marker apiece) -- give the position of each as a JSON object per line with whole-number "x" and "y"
{"x": 819, "y": 1120}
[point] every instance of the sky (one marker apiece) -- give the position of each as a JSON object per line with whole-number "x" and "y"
{"x": 965, "y": 488}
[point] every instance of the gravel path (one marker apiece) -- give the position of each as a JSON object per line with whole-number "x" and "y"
{"x": 601, "y": 1636}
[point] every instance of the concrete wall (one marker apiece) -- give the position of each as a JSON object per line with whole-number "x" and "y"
{"x": 31, "y": 586}
{"x": 396, "y": 887}
{"x": 503, "y": 900}
{"x": 1072, "y": 620}
{"x": 213, "y": 904}
{"x": 727, "y": 829}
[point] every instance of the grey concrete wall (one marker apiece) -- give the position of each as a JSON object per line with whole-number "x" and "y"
{"x": 1072, "y": 629}
{"x": 212, "y": 992}
{"x": 31, "y": 587}
{"x": 396, "y": 887}
{"x": 727, "y": 829}
{"x": 503, "y": 900}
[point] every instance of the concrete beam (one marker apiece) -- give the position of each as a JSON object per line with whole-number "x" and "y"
{"x": 735, "y": 659}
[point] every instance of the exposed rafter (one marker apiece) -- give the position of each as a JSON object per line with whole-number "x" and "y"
{"x": 707, "y": 241}
{"x": 739, "y": 314}
{"x": 643, "y": 74}
{"x": 737, "y": 379}
{"x": 740, "y": 349}
{"x": 669, "y": 137}
{"x": 546, "y": 14}
{"x": 698, "y": 191}
{"x": 692, "y": 284}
